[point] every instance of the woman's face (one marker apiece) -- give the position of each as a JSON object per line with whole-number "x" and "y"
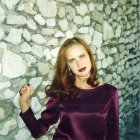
{"x": 78, "y": 61}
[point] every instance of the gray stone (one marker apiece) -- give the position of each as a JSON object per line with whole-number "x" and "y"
{"x": 53, "y": 42}
{"x": 35, "y": 105}
{"x": 118, "y": 31}
{"x": 5, "y": 110}
{"x": 0, "y": 67}
{"x": 132, "y": 38}
{"x": 47, "y": 31}
{"x": 121, "y": 47}
{"x": 100, "y": 54}
{"x": 107, "y": 31}
{"x": 5, "y": 84}
{"x": 122, "y": 40}
{"x": 61, "y": 12}
{"x": 119, "y": 11}
{"x": 8, "y": 126}
{"x": 66, "y": 1}
{"x": 97, "y": 39}
{"x": 25, "y": 47}
{"x": 101, "y": 73}
{"x": 14, "y": 36}
{"x": 2, "y": 14}
{"x": 99, "y": 65}
{"x": 113, "y": 50}
{"x": 124, "y": 8}
{"x": 70, "y": 13}
{"x": 118, "y": 79}
{"x": 30, "y": 60}
{"x": 97, "y": 16}
{"x": 26, "y": 35}
{"x": 83, "y": 30}
{"x": 31, "y": 24}
{"x": 129, "y": 11}
{"x": 91, "y": 30}
{"x": 109, "y": 60}
{"x": 123, "y": 131}
{"x": 78, "y": 20}
{"x": 63, "y": 24}
{"x": 31, "y": 72}
{"x": 82, "y": 9}
{"x": 12, "y": 65}
{"x": 107, "y": 10}
{"x": 39, "y": 19}
{"x": 121, "y": 101}
{"x": 37, "y": 50}
{"x": 20, "y": 122}
{"x": 115, "y": 4}
{"x": 27, "y": 7}
{"x": 108, "y": 78}
{"x": 86, "y": 20}
{"x": 59, "y": 34}
{"x": 91, "y": 7}
{"x": 54, "y": 52}
{"x": 43, "y": 68}
{"x": 23, "y": 134}
{"x": 74, "y": 29}
{"x": 87, "y": 38}
{"x": 51, "y": 22}
{"x": 114, "y": 16}
{"x": 134, "y": 2}
{"x": 7, "y": 94}
{"x": 119, "y": 69}
{"x": 37, "y": 38}
{"x": 69, "y": 34}
{"x": 2, "y": 34}
{"x": 10, "y": 4}
{"x": 41, "y": 95}
{"x": 35, "y": 82}
{"x": 47, "y": 8}
{"x": 15, "y": 19}
{"x": 2, "y": 113}
{"x": 122, "y": 2}
{"x": 100, "y": 7}
{"x": 104, "y": 63}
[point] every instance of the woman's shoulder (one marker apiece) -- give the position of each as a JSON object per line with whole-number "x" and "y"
{"x": 113, "y": 90}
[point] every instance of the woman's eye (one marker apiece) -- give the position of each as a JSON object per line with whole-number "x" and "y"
{"x": 71, "y": 61}
{"x": 82, "y": 56}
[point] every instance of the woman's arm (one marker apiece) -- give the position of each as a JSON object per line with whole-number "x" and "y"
{"x": 48, "y": 117}
{"x": 113, "y": 117}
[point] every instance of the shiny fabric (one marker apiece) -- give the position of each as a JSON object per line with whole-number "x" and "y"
{"x": 92, "y": 116}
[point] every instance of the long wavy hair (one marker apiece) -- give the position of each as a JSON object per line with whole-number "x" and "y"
{"x": 63, "y": 82}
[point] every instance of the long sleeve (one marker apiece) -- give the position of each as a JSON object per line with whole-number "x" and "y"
{"x": 48, "y": 117}
{"x": 113, "y": 117}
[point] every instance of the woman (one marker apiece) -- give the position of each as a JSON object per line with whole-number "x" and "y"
{"x": 87, "y": 109}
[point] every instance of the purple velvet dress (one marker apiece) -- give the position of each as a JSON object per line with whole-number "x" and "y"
{"x": 92, "y": 116}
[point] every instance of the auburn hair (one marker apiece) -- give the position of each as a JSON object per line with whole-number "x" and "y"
{"x": 63, "y": 82}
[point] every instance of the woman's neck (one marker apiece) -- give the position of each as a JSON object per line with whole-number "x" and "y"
{"x": 82, "y": 83}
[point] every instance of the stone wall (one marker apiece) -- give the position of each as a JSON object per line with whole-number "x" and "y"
{"x": 30, "y": 34}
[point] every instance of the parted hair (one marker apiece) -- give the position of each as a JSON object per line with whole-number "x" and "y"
{"x": 63, "y": 81}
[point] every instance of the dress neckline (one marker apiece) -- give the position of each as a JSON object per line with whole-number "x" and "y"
{"x": 92, "y": 89}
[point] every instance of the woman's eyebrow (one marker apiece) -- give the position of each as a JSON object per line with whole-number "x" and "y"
{"x": 82, "y": 54}
{"x": 78, "y": 56}
{"x": 71, "y": 59}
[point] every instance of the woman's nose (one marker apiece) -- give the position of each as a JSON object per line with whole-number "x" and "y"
{"x": 78, "y": 62}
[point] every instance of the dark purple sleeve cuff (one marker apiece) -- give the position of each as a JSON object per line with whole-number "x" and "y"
{"x": 26, "y": 115}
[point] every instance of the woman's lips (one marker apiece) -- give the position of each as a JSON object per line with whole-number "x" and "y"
{"x": 83, "y": 69}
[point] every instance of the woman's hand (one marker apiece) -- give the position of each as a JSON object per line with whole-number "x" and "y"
{"x": 26, "y": 93}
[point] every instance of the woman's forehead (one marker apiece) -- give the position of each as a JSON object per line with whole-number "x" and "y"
{"x": 76, "y": 49}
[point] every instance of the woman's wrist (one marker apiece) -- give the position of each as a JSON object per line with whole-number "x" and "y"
{"x": 24, "y": 106}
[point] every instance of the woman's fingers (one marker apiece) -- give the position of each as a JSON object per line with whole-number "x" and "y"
{"x": 26, "y": 89}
